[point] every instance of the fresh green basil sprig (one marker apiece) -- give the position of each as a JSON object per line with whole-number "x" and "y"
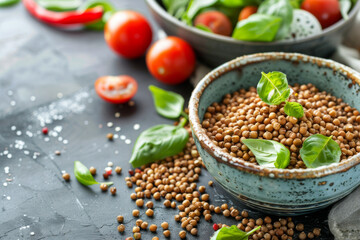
{"x": 269, "y": 153}
{"x": 231, "y": 233}
{"x": 163, "y": 140}
{"x": 273, "y": 89}
{"x": 282, "y": 9}
{"x": 257, "y": 27}
{"x": 319, "y": 150}
{"x": 84, "y": 176}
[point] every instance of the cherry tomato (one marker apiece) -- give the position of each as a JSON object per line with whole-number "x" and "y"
{"x": 171, "y": 60}
{"x": 116, "y": 89}
{"x": 326, "y": 11}
{"x": 247, "y": 12}
{"x": 128, "y": 33}
{"x": 216, "y": 21}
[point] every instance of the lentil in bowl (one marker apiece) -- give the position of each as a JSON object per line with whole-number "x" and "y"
{"x": 280, "y": 191}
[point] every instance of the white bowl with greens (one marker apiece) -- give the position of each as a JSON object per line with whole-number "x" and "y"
{"x": 289, "y": 29}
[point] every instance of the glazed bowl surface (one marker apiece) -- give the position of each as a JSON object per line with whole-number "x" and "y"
{"x": 276, "y": 191}
{"x": 215, "y": 49}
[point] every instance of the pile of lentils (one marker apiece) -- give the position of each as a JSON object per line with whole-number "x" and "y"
{"x": 243, "y": 115}
{"x": 173, "y": 181}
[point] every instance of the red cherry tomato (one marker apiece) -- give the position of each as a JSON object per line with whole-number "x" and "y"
{"x": 119, "y": 89}
{"x": 216, "y": 21}
{"x": 326, "y": 11}
{"x": 128, "y": 33}
{"x": 171, "y": 60}
{"x": 247, "y": 12}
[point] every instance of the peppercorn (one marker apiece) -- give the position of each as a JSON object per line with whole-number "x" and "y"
{"x": 104, "y": 187}
{"x": 153, "y": 228}
{"x": 110, "y": 136}
{"x": 136, "y": 213}
{"x": 300, "y": 227}
{"x": 144, "y": 225}
{"x": 113, "y": 190}
{"x": 121, "y": 228}
{"x": 149, "y": 212}
{"x": 106, "y": 176}
{"x": 302, "y": 236}
{"x": 92, "y": 171}
{"x": 194, "y": 231}
{"x": 210, "y": 183}
{"x": 120, "y": 219}
{"x": 182, "y": 234}
{"x": 165, "y": 225}
{"x": 136, "y": 229}
{"x": 118, "y": 169}
{"x": 317, "y": 231}
{"x": 137, "y": 235}
{"x": 139, "y": 202}
{"x": 166, "y": 233}
{"x": 66, "y": 177}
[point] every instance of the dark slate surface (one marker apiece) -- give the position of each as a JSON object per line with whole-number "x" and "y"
{"x": 46, "y": 78}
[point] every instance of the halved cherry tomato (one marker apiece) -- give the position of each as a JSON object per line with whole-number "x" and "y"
{"x": 326, "y": 11}
{"x": 128, "y": 33}
{"x": 247, "y": 12}
{"x": 171, "y": 60}
{"x": 116, "y": 89}
{"x": 216, "y": 21}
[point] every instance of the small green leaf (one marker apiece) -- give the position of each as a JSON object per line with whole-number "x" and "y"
{"x": 232, "y": 233}
{"x": 269, "y": 153}
{"x": 84, "y": 176}
{"x": 294, "y": 109}
{"x": 157, "y": 143}
{"x": 273, "y": 88}
{"x": 319, "y": 150}
{"x": 60, "y": 5}
{"x": 167, "y": 104}
{"x": 203, "y": 27}
{"x": 257, "y": 28}
{"x": 345, "y": 6}
{"x": 282, "y": 9}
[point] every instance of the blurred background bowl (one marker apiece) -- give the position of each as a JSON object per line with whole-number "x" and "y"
{"x": 276, "y": 191}
{"x": 215, "y": 49}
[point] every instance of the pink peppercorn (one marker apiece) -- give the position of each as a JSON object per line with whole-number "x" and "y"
{"x": 45, "y": 130}
{"x": 131, "y": 172}
{"x": 215, "y": 227}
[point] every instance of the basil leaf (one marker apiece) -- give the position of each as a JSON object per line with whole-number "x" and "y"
{"x": 269, "y": 153}
{"x": 167, "y": 104}
{"x": 345, "y": 6}
{"x": 232, "y": 233}
{"x": 194, "y": 7}
{"x": 239, "y": 3}
{"x": 203, "y": 27}
{"x": 294, "y": 109}
{"x": 273, "y": 88}
{"x": 319, "y": 150}
{"x": 257, "y": 28}
{"x": 176, "y": 7}
{"x": 84, "y": 176}
{"x": 296, "y": 3}
{"x": 158, "y": 142}
{"x": 282, "y": 9}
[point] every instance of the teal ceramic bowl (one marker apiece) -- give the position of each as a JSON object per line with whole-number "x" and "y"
{"x": 276, "y": 191}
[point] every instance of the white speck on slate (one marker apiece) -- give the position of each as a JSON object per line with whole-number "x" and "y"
{"x": 117, "y": 129}
{"x": 26, "y": 152}
{"x": 32, "y": 233}
{"x": 136, "y": 126}
{"x": 127, "y": 141}
{"x": 122, "y": 137}
{"x": 6, "y": 169}
{"x": 65, "y": 141}
{"x": 117, "y": 114}
{"x": 109, "y": 124}
{"x": 116, "y": 136}
{"x": 110, "y": 164}
{"x": 12, "y": 103}
{"x": 9, "y": 155}
{"x": 18, "y": 133}
{"x": 13, "y": 128}
{"x": 59, "y": 95}
{"x": 5, "y": 184}
{"x": 32, "y": 98}
{"x": 8, "y": 198}
{"x": 10, "y": 93}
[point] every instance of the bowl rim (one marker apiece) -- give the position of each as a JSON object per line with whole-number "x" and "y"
{"x": 153, "y": 4}
{"x": 224, "y": 157}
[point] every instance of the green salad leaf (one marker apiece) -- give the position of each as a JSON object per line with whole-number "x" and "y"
{"x": 282, "y": 9}
{"x": 296, "y": 4}
{"x": 194, "y": 8}
{"x": 273, "y": 88}
{"x": 203, "y": 27}
{"x": 240, "y": 3}
{"x": 232, "y": 233}
{"x": 269, "y": 153}
{"x": 158, "y": 142}
{"x": 167, "y": 104}
{"x": 345, "y": 6}
{"x": 83, "y": 175}
{"x": 257, "y": 28}
{"x": 176, "y": 8}
{"x": 294, "y": 109}
{"x": 319, "y": 150}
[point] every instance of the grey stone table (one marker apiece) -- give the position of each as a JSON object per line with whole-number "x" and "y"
{"x": 46, "y": 78}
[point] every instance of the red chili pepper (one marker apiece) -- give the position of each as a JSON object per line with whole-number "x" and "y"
{"x": 63, "y": 18}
